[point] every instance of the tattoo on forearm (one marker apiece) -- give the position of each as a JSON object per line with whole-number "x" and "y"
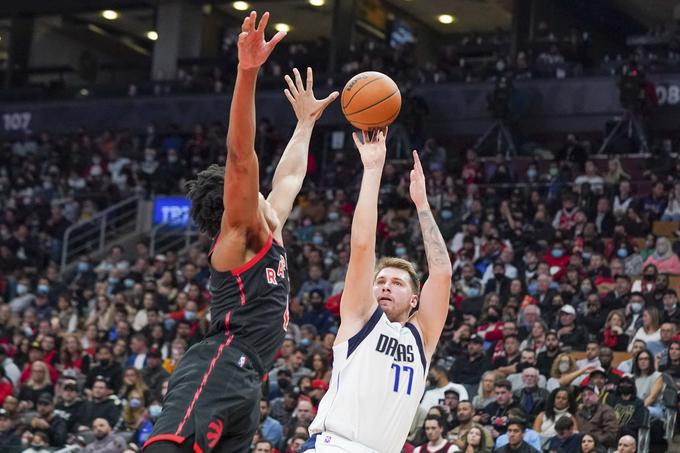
{"x": 435, "y": 248}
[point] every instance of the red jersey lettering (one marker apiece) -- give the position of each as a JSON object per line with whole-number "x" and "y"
{"x": 271, "y": 276}
{"x": 282, "y": 267}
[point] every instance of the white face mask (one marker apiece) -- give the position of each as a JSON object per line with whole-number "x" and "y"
{"x": 564, "y": 367}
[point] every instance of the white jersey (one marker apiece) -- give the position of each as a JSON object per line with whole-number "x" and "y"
{"x": 378, "y": 380}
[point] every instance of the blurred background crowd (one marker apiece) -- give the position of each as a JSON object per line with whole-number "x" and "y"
{"x": 563, "y": 331}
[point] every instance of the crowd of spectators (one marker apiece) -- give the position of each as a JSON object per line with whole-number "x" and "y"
{"x": 562, "y": 330}
{"x": 469, "y": 58}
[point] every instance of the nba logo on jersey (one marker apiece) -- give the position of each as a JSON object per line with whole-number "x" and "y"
{"x": 327, "y": 440}
{"x": 242, "y": 361}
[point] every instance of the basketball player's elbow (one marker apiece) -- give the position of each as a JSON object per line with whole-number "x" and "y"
{"x": 237, "y": 147}
{"x": 361, "y": 245}
{"x": 443, "y": 273}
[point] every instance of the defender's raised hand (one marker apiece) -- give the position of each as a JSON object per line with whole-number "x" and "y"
{"x": 372, "y": 149}
{"x": 253, "y": 49}
{"x": 417, "y": 187}
{"x": 301, "y": 97}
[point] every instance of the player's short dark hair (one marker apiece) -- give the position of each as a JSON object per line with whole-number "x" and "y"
{"x": 435, "y": 418}
{"x": 206, "y": 193}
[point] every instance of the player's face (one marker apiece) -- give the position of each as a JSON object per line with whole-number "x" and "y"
{"x": 432, "y": 430}
{"x": 392, "y": 291}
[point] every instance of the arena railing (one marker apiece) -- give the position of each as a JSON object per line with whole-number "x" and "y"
{"x": 169, "y": 236}
{"x": 110, "y": 226}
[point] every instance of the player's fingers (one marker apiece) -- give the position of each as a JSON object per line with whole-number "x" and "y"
{"x": 242, "y": 36}
{"x": 310, "y": 79}
{"x": 245, "y": 27}
{"x": 364, "y": 136}
{"x": 355, "y": 137}
{"x": 330, "y": 98}
{"x": 298, "y": 80}
{"x": 252, "y": 20}
{"x": 416, "y": 162}
{"x": 263, "y": 22}
{"x": 291, "y": 85}
{"x": 290, "y": 97}
{"x": 275, "y": 40}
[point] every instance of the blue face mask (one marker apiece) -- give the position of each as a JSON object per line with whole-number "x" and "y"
{"x": 129, "y": 283}
{"x": 189, "y": 315}
{"x": 586, "y": 256}
{"x": 82, "y": 266}
{"x": 622, "y": 253}
{"x": 472, "y": 292}
{"x": 135, "y": 403}
{"x": 531, "y": 173}
{"x": 155, "y": 410}
{"x": 305, "y": 342}
{"x": 446, "y": 214}
{"x": 636, "y": 307}
{"x": 43, "y": 289}
{"x": 557, "y": 253}
{"x": 333, "y": 216}
{"x": 400, "y": 251}
{"x": 113, "y": 281}
{"x": 317, "y": 240}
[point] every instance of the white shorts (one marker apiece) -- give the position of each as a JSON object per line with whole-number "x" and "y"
{"x": 332, "y": 443}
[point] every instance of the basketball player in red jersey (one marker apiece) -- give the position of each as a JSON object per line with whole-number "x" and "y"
{"x": 212, "y": 404}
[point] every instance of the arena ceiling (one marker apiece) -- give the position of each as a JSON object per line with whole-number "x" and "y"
{"x": 309, "y": 22}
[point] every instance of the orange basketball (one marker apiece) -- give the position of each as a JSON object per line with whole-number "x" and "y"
{"x": 370, "y": 100}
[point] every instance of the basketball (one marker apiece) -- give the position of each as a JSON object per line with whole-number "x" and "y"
{"x": 371, "y": 100}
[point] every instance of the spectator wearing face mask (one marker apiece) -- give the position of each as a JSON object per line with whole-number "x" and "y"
{"x": 439, "y": 385}
{"x": 107, "y": 368}
{"x": 629, "y": 409}
{"x": 316, "y": 314}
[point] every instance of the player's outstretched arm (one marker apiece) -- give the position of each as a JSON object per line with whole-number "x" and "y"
{"x": 292, "y": 168}
{"x": 357, "y": 303}
{"x": 242, "y": 225}
{"x": 241, "y": 188}
{"x": 434, "y": 297}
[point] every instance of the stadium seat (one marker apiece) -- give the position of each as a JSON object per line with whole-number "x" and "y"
{"x": 643, "y": 435}
{"x": 667, "y": 229}
{"x": 670, "y": 401}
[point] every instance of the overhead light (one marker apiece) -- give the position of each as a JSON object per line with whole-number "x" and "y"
{"x": 84, "y": 92}
{"x": 241, "y": 6}
{"x": 207, "y": 8}
{"x": 282, "y": 27}
{"x": 446, "y": 19}
{"x": 152, "y": 35}
{"x": 110, "y": 14}
{"x": 317, "y": 2}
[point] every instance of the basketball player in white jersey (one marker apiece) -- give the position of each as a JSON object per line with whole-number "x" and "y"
{"x": 382, "y": 351}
